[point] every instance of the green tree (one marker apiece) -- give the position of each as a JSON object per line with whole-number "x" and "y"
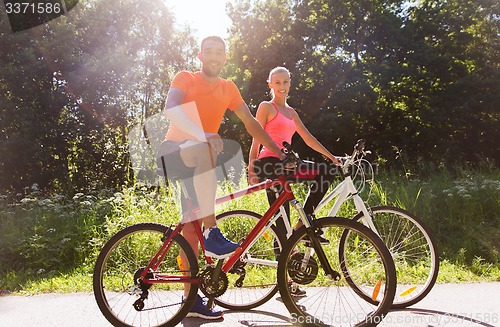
{"x": 73, "y": 88}
{"x": 418, "y": 77}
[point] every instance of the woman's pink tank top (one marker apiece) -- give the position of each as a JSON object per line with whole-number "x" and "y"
{"x": 280, "y": 128}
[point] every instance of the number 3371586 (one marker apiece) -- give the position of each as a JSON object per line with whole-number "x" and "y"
{"x": 32, "y": 8}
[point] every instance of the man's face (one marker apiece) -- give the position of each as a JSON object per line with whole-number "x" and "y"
{"x": 212, "y": 57}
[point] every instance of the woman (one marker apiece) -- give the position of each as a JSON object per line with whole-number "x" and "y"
{"x": 281, "y": 122}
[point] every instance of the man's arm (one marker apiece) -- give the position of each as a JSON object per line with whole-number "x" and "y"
{"x": 174, "y": 110}
{"x": 256, "y": 131}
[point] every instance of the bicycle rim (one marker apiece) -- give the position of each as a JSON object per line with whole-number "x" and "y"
{"x": 117, "y": 290}
{"x": 252, "y": 281}
{"x": 331, "y": 302}
{"x": 413, "y": 249}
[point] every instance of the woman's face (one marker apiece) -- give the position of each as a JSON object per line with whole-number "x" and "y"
{"x": 280, "y": 84}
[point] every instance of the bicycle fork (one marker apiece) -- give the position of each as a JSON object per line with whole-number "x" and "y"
{"x": 311, "y": 231}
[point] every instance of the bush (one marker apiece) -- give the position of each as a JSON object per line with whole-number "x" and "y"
{"x": 46, "y": 240}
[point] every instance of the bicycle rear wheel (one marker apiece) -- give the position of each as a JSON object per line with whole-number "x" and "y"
{"x": 331, "y": 302}
{"x": 252, "y": 281}
{"x": 413, "y": 249}
{"x": 122, "y": 298}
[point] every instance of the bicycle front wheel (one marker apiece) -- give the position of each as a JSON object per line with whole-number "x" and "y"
{"x": 122, "y": 297}
{"x": 331, "y": 301}
{"x": 252, "y": 280}
{"x": 413, "y": 249}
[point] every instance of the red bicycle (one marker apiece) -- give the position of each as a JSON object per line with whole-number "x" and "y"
{"x": 140, "y": 279}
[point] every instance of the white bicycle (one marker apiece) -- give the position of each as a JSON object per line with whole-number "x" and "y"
{"x": 410, "y": 242}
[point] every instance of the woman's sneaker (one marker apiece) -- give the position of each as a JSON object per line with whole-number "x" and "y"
{"x": 216, "y": 245}
{"x": 200, "y": 310}
{"x": 319, "y": 236}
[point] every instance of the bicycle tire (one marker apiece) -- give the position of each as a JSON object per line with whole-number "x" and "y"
{"x": 414, "y": 251}
{"x": 256, "y": 291}
{"x": 330, "y": 302}
{"x": 115, "y": 284}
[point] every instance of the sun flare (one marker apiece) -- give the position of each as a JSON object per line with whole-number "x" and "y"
{"x": 204, "y": 17}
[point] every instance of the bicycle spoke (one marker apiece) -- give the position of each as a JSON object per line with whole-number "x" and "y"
{"x": 123, "y": 296}
{"x": 413, "y": 249}
{"x": 338, "y": 302}
{"x": 252, "y": 281}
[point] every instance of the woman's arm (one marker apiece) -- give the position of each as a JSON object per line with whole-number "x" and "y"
{"x": 312, "y": 141}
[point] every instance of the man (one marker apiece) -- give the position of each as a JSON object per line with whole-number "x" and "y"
{"x": 195, "y": 106}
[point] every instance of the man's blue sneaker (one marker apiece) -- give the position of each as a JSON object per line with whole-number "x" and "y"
{"x": 200, "y": 310}
{"x": 216, "y": 245}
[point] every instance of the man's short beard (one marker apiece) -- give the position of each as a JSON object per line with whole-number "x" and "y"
{"x": 209, "y": 73}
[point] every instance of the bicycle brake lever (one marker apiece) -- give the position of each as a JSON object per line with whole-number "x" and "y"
{"x": 360, "y": 145}
{"x": 289, "y": 151}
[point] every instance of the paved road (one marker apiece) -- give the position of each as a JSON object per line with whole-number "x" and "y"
{"x": 447, "y": 305}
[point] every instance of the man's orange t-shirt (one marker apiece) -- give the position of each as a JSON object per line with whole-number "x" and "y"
{"x": 211, "y": 100}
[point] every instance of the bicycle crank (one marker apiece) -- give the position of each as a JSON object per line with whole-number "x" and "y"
{"x": 210, "y": 286}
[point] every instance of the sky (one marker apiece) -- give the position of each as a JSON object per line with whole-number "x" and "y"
{"x": 206, "y": 17}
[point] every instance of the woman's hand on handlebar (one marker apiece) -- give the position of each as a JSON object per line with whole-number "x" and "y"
{"x": 336, "y": 160}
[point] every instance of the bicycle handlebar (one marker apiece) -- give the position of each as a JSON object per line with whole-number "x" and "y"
{"x": 358, "y": 152}
{"x": 360, "y": 145}
{"x": 292, "y": 158}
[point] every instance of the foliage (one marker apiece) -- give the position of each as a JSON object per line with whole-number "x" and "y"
{"x": 418, "y": 79}
{"x": 45, "y": 235}
{"x": 51, "y": 242}
{"x": 422, "y": 77}
{"x": 72, "y": 89}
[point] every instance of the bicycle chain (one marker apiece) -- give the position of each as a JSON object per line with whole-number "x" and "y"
{"x": 211, "y": 287}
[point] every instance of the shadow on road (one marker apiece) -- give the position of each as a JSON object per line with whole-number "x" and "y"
{"x": 427, "y": 317}
{"x": 401, "y": 317}
{"x": 259, "y": 318}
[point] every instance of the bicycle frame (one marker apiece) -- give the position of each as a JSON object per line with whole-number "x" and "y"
{"x": 258, "y": 230}
{"x": 343, "y": 192}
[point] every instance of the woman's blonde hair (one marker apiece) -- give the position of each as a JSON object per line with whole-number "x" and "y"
{"x": 275, "y": 70}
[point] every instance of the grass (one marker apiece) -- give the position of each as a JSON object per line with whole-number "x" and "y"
{"x": 49, "y": 242}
